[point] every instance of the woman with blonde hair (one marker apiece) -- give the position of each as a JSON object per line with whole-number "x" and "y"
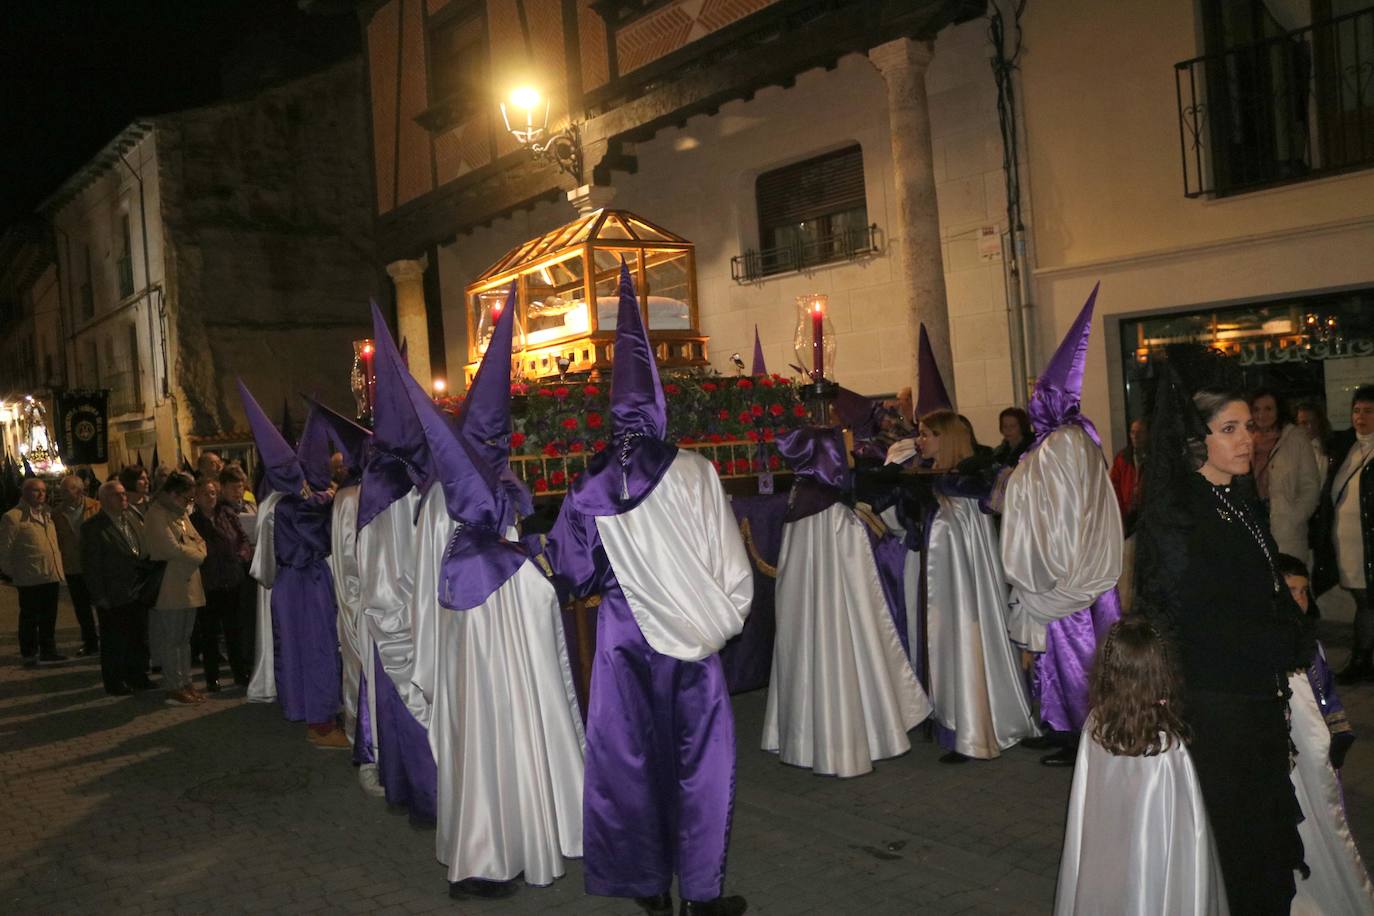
{"x": 962, "y": 652}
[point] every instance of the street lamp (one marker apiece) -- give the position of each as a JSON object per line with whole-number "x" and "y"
{"x": 526, "y": 116}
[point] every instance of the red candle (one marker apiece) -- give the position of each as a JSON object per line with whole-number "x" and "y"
{"x": 818, "y": 339}
{"x": 370, "y": 375}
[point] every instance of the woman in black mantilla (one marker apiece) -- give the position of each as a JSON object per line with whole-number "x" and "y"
{"x": 1206, "y": 574}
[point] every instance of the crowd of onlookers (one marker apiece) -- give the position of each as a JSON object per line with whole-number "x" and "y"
{"x": 156, "y": 566}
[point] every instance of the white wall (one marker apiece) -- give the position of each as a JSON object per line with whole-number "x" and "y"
{"x": 698, "y": 181}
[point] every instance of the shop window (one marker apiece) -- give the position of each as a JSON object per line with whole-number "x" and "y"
{"x": 810, "y": 213}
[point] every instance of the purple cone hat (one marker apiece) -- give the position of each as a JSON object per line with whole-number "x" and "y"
{"x": 485, "y": 418}
{"x": 281, "y": 468}
{"x": 758, "y": 368}
{"x": 400, "y": 454}
{"x": 345, "y": 436}
{"x": 478, "y": 560}
{"x": 618, "y": 478}
{"x": 315, "y": 451}
{"x": 931, "y": 394}
{"x": 1059, "y": 390}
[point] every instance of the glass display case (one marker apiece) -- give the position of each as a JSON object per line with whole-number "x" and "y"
{"x": 566, "y": 284}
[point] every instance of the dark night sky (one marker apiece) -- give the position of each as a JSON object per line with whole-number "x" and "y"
{"x": 73, "y": 73}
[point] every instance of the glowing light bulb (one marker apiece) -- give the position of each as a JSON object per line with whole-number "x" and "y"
{"x": 526, "y": 97}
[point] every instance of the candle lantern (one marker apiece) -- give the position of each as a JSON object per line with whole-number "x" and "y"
{"x": 814, "y": 343}
{"x": 362, "y": 380}
{"x": 489, "y": 306}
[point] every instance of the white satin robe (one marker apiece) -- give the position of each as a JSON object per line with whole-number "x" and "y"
{"x": 344, "y": 570}
{"x": 975, "y": 680}
{"x": 842, "y": 693}
{"x": 388, "y": 544}
{"x": 1339, "y": 882}
{"x": 507, "y": 735}
{"x": 1061, "y": 533}
{"x": 1137, "y": 841}
{"x": 262, "y": 687}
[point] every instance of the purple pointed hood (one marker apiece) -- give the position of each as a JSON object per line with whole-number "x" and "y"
{"x": 314, "y": 451}
{"x": 281, "y": 468}
{"x": 345, "y": 436}
{"x": 816, "y": 455}
{"x": 618, "y": 478}
{"x": 758, "y": 368}
{"x": 400, "y": 455}
{"x": 478, "y": 560}
{"x": 931, "y": 394}
{"x": 485, "y": 417}
{"x": 1058, "y": 391}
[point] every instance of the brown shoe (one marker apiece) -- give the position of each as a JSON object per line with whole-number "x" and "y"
{"x": 196, "y": 695}
{"x": 180, "y": 698}
{"x": 333, "y": 740}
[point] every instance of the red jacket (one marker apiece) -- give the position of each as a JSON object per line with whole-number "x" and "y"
{"x": 1126, "y": 482}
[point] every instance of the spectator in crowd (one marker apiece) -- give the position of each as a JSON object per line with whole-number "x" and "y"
{"x": 89, "y": 480}
{"x": 1017, "y": 436}
{"x": 160, "y": 475}
{"x": 1126, "y": 473}
{"x": 73, "y": 508}
{"x": 169, "y": 536}
{"x": 1284, "y": 472}
{"x": 137, "y": 487}
{"x": 208, "y": 466}
{"x": 109, "y": 554}
{"x": 233, "y": 491}
{"x": 30, "y": 556}
{"x": 1310, "y": 417}
{"x": 227, "y": 555}
{"x": 1345, "y": 529}
{"x": 980, "y": 450}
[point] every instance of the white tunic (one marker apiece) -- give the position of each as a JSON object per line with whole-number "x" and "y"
{"x": 507, "y": 735}
{"x": 1061, "y": 533}
{"x": 975, "y": 681}
{"x": 389, "y": 544}
{"x": 1339, "y": 882}
{"x": 262, "y": 688}
{"x": 842, "y": 693}
{"x": 1137, "y": 841}
{"x": 343, "y": 568}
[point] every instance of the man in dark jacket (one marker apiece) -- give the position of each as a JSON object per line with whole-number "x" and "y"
{"x": 109, "y": 557}
{"x": 227, "y": 555}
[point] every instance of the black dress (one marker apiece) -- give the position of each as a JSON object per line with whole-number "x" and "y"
{"x": 1237, "y": 634}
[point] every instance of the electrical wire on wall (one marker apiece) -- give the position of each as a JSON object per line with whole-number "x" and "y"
{"x": 1005, "y": 39}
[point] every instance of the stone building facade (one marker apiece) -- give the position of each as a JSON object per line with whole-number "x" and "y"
{"x": 30, "y": 330}
{"x": 216, "y": 243}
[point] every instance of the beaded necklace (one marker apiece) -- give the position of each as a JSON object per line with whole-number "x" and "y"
{"x": 1231, "y": 511}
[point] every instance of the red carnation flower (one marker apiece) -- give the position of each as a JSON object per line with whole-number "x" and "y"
{"x": 569, "y": 423}
{"x": 756, "y": 410}
{"x": 517, "y": 440}
{"x": 686, "y": 440}
{"x": 671, "y": 389}
{"x": 558, "y": 478}
{"x": 744, "y": 383}
{"x": 716, "y": 438}
{"x": 598, "y": 445}
{"x": 551, "y": 450}
{"x": 545, "y": 392}
{"x": 708, "y": 386}
{"x": 745, "y": 416}
{"x": 541, "y": 486}
{"x": 576, "y": 448}
{"x": 716, "y": 465}
{"x": 594, "y": 420}
{"x": 724, "y": 413}
{"x": 773, "y": 463}
{"x": 765, "y": 382}
{"x": 752, "y": 435}
{"x": 768, "y": 434}
{"x": 519, "y": 388}
{"x": 561, "y": 392}
{"x": 775, "y": 409}
{"x": 590, "y": 390}
{"x": 798, "y": 410}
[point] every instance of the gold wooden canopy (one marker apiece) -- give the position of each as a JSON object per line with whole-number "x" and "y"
{"x": 567, "y": 293}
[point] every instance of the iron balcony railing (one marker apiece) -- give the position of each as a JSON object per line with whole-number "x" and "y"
{"x": 845, "y": 245}
{"x": 1295, "y": 106}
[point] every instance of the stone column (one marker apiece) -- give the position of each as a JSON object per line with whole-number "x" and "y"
{"x": 412, "y": 321}
{"x": 590, "y": 197}
{"x": 903, "y": 64}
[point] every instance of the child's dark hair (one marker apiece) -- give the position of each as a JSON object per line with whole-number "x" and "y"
{"x": 1288, "y": 565}
{"x": 1135, "y": 692}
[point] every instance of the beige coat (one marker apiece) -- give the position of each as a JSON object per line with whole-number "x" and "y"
{"x": 28, "y": 547}
{"x": 169, "y": 535}
{"x": 69, "y": 535}
{"x": 1294, "y": 489}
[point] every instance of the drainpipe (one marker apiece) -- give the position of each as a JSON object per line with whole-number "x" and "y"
{"x": 1016, "y": 332}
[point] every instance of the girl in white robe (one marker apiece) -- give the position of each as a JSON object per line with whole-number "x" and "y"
{"x": 1137, "y": 839}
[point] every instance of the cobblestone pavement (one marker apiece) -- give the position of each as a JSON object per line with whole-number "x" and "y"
{"x": 125, "y": 805}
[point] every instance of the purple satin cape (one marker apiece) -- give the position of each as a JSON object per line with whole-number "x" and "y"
{"x": 406, "y": 766}
{"x": 660, "y": 777}
{"x": 610, "y": 486}
{"x": 748, "y": 658}
{"x": 308, "y": 668}
{"x": 477, "y": 562}
{"x": 363, "y": 751}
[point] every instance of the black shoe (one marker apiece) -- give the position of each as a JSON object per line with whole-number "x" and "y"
{"x": 118, "y": 691}
{"x": 240, "y": 681}
{"x": 480, "y": 889}
{"x": 51, "y": 658}
{"x": 657, "y": 905}
{"x": 721, "y": 906}
{"x": 1064, "y": 757}
{"x": 1039, "y": 743}
{"x": 1358, "y": 669}
{"x": 954, "y": 757}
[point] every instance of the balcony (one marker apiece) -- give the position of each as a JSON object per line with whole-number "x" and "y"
{"x": 1296, "y": 106}
{"x": 804, "y": 253}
